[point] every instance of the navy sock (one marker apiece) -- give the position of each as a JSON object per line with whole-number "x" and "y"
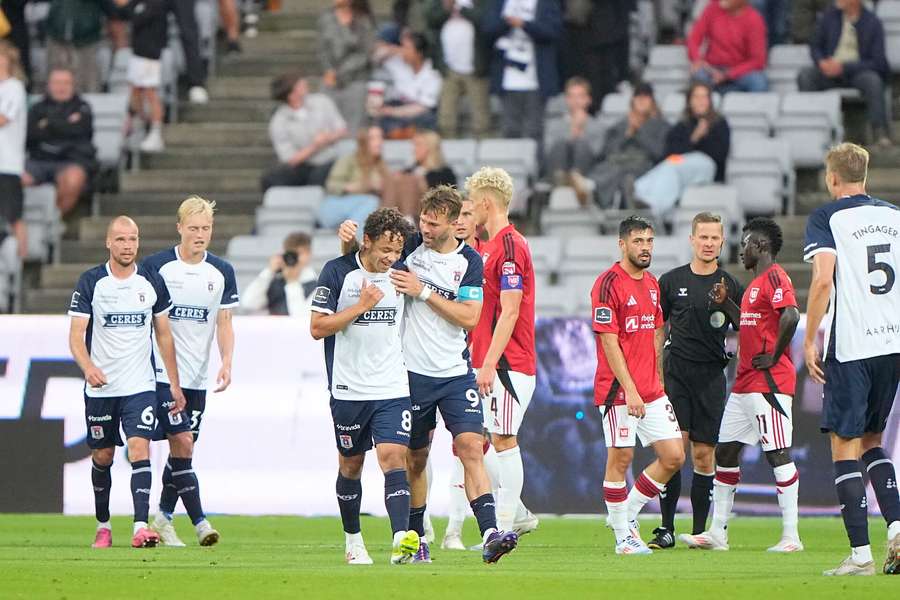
{"x": 668, "y": 501}
{"x": 141, "y": 480}
{"x": 396, "y": 499}
{"x": 485, "y": 510}
{"x": 102, "y": 480}
{"x": 884, "y": 482}
{"x": 701, "y": 496}
{"x": 417, "y": 520}
{"x": 852, "y": 496}
{"x": 169, "y": 496}
{"x": 349, "y": 496}
{"x": 187, "y": 487}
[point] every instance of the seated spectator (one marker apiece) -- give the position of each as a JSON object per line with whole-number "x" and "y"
{"x": 303, "y": 130}
{"x": 60, "y": 141}
{"x": 405, "y": 189}
{"x": 356, "y": 182}
{"x": 13, "y": 118}
{"x": 524, "y": 71}
{"x": 734, "y": 37}
{"x": 286, "y": 285}
{"x": 74, "y": 32}
{"x": 696, "y": 151}
{"x": 775, "y": 16}
{"x": 572, "y": 141}
{"x": 848, "y": 51}
{"x": 463, "y": 62}
{"x": 414, "y": 87}
{"x": 805, "y": 15}
{"x": 632, "y": 147}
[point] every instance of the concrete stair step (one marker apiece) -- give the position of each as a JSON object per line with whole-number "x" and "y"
{"x": 95, "y": 251}
{"x": 272, "y": 43}
{"x": 62, "y": 276}
{"x": 240, "y": 87}
{"x": 191, "y": 181}
{"x": 227, "y": 111}
{"x": 166, "y": 204}
{"x": 223, "y": 135}
{"x": 881, "y": 179}
{"x": 211, "y": 157}
{"x": 254, "y": 66}
{"x": 287, "y": 21}
{"x": 162, "y": 227}
{"x": 50, "y": 301}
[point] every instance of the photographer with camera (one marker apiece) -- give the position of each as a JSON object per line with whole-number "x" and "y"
{"x": 286, "y": 285}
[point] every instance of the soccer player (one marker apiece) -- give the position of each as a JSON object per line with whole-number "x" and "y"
{"x": 112, "y": 308}
{"x": 503, "y": 349}
{"x": 358, "y": 312}
{"x": 203, "y": 291}
{"x": 628, "y": 321}
{"x": 759, "y": 407}
{"x": 854, "y": 246}
{"x": 693, "y": 368}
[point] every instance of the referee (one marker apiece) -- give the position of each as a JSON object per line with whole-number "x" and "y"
{"x": 694, "y": 367}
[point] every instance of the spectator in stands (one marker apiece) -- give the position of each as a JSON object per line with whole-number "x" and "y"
{"x": 463, "y": 58}
{"x": 346, "y": 35}
{"x": 286, "y": 285}
{"x": 230, "y": 22}
{"x": 189, "y": 32}
{"x": 405, "y": 189}
{"x": 60, "y": 141}
{"x": 303, "y": 131}
{"x": 734, "y": 58}
{"x": 405, "y": 14}
{"x": 775, "y": 16}
{"x": 412, "y": 96}
{"x": 356, "y": 182}
{"x": 632, "y": 147}
{"x": 149, "y": 35}
{"x": 13, "y": 115}
{"x": 696, "y": 151}
{"x": 524, "y": 71}
{"x": 848, "y": 51}
{"x": 804, "y": 17}
{"x": 74, "y": 31}
{"x": 573, "y": 141}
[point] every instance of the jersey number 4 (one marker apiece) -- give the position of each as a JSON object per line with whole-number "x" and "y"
{"x": 875, "y": 265}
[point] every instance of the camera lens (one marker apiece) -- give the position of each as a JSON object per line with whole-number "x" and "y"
{"x": 290, "y": 258}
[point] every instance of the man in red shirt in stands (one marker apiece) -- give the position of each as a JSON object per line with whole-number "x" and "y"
{"x": 735, "y": 55}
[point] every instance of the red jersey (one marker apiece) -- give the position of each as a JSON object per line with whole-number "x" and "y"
{"x": 762, "y": 300}
{"x": 630, "y": 308}
{"x": 507, "y": 266}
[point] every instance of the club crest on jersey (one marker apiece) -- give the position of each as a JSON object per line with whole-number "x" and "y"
{"x": 754, "y": 293}
{"x": 631, "y": 324}
{"x": 210, "y": 286}
{"x": 97, "y": 432}
{"x": 653, "y": 297}
{"x": 141, "y": 297}
{"x": 603, "y": 315}
{"x": 124, "y": 319}
{"x": 508, "y": 268}
{"x": 346, "y": 441}
{"x": 457, "y": 276}
{"x": 778, "y": 296}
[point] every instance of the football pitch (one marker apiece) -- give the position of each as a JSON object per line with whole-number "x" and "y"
{"x": 283, "y": 557}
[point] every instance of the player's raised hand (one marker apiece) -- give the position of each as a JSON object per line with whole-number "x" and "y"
{"x": 95, "y": 377}
{"x": 813, "y": 360}
{"x": 223, "y": 379}
{"x": 370, "y": 295}
{"x": 178, "y": 400}
{"x": 485, "y": 380}
{"x": 347, "y": 231}
{"x": 635, "y": 405}
{"x": 406, "y": 282}
{"x": 719, "y": 292}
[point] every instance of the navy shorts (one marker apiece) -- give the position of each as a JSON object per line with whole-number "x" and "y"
{"x": 458, "y": 400}
{"x": 357, "y": 423}
{"x": 859, "y": 395}
{"x": 187, "y": 420}
{"x": 136, "y": 413}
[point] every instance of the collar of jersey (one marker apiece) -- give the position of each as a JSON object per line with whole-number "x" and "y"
{"x": 178, "y": 256}
{"x": 110, "y": 273}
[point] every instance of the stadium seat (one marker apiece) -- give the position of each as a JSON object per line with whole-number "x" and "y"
{"x": 304, "y": 197}
{"x": 889, "y": 13}
{"x": 614, "y": 108}
{"x": 279, "y": 221}
{"x": 519, "y": 158}
{"x": 811, "y": 122}
{"x": 346, "y": 146}
{"x": 546, "y": 252}
{"x": 556, "y": 107}
{"x": 717, "y": 198}
{"x": 577, "y": 222}
{"x": 325, "y": 246}
{"x": 668, "y": 70}
{"x": 762, "y": 170}
{"x": 553, "y": 301}
{"x": 750, "y": 114}
{"x": 674, "y": 103}
{"x": 460, "y": 155}
{"x": 398, "y": 154}
{"x": 584, "y": 258}
{"x": 42, "y": 222}
{"x": 668, "y": 252}
{"x": 10, "y": 274}
{"x": 251, "y": 252}
{"x": 110, "y": 112}
{"x": 785, "y": 62}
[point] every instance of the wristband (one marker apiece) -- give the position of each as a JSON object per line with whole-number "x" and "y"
{"x": 425, "y": 294}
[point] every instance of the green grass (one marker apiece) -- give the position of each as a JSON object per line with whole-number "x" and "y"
{"x": 280, "y": 557}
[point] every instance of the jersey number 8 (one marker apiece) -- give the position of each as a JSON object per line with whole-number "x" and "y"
{"x": 406, "y": 420}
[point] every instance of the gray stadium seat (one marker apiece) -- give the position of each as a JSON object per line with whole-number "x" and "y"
{"x": 546, "y": 252}
{"x": 277, "y": 222}
{"x": 460, "y": 156}
{"x": 614, "y": 108}
{"x": 565, "y": 217}
{"x": 668, "y": 70}
{"x": 811, "y": 122}
{"x": 110, "y": 112}
{"x": 889, "y": 13}
{"x": 519, "y": 158}
{"x": 398, "y": 154}
{"x": 301, "y": 197}
{"x": 669, "y": 252}
{"x": 325, "y": 246}
{"x": 251, "y": 252}
{"x": 750, "y": 114}
{"x": 785, "y": 62}
{"x": 762, "y": 170}
{"x": 584, "y": 258}
{"x": 43, "y": 222}
{"x": 553, "y": 301}
{"x": 717, "y": 198}
{"x": 10, "y": 274}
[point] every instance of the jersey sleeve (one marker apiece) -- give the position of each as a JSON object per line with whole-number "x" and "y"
{"x": 781, "y": 290}
{"x": 328, "y": 289}
{"x": 410, "y": 244}
{"x": 163, "y": 300}
{"x": 664, "y": 287}
{"x": 819, "y": 237}
{"x": 82, "y": 297}
{"x": 513, "y": 267}
{"x": 230, "y": 296}
{"x": 660, "y": 317}
{"x": 605, "y": 305}
{"x": 470, "y": 288}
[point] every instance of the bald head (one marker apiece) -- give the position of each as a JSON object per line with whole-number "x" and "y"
{"x": 121, "y": 223}
{"x": 122, "y": 241}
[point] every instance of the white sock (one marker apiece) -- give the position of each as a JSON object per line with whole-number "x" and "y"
{"x": 724, "y": 487}
{"x": 104, "y": 525}
{"x": 522, "y": 512}
{"x": 861, "y": 554}
{"x": 787, "y": 482}
{"x": 893, "y": 530}
{"x": 138, "y": 525}
{"x": 617, "y": 507}
{"x": 512, "y": 477}
{"x": 202, "y": 524}
{"x": 353, "y": 538}
{"x": 459, "y": 502}
{"x": 492, "y": 466}
{"x": 644, "y": 490}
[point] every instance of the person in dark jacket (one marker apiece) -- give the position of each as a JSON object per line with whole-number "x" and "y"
{"x": 848, "y": 51}
{"x": 74, "y": 31}
{"x": 59, "y": 141}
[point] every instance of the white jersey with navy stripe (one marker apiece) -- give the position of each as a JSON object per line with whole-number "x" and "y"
{"x": 435, "y": 347}
{"x": 863, "y": 317}
{"x": 365, "y": 359}
{"x": 199, "y": 291}
{"x": 121, "y": 315}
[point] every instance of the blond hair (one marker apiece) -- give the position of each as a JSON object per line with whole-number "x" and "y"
{"x": 195, "y": 205}
{"x": 435, "y": 159}
{"x": 493, "y": 180}
{"x": 849, "y": 162}
{"x": 14, "y": 59}
{"x": 706, "y": 217}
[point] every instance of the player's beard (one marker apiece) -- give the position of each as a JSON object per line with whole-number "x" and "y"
{"x": 638, "y": 263}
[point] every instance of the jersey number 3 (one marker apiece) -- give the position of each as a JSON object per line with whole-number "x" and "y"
{"x": 874, "y": 265}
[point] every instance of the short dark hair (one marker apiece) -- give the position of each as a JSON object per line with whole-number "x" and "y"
{"x": 768, "y": 228}
{"x": 443, "y": 200}
{"x": 419, "y": 41}
{"x": 297, "y": 239}
{"x": 387, "y": 220}
{"x": 633, "y": 223}
{"x": 580, "y": 82}
{"x": 283, "y": 85}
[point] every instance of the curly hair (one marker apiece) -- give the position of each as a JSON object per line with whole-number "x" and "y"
{"x": 493, "y": 179}
{"x": 768, "y": 228}
{"x": 633, "y": 223}
{"x": 442, "y": 200}
{"x": 387, "y": 220}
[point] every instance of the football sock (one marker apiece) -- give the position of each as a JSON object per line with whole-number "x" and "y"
{"x": 459, "y": 502}
{"x": 492, "y": 466}
{"x": 643, "y": 491}
{"x": 141, "y": 480}
{"x": 485, "y": 510}
{"x": 852, "y": 495}
{"x": 101, "y": 478}
{"x": 169, "y": 496}
{"x": 668, "y": 501}
{"x": 396, "y": 499}
{"x": 512, "y": 478}
{"x": 417, "y": 520}
{"x": 724, "y": 486}
{"x": 349, "y": 496}
{"x": 787, "y": 484}
{"x": 616, "y": 497}
{"x": 884, "y": 482}
{"x": 521, "y": 512}
{"x": 701, "y": 496}
{"x": 187, "y": 487}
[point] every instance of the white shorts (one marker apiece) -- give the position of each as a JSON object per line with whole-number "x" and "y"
{"x": 504, "y": 411}
{"x": 659, "y": 423}
{"x": 144, "y": 72}
{"x": 749, "y": 419}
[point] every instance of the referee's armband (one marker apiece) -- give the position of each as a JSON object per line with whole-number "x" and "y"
{"x": 469, "y": 292}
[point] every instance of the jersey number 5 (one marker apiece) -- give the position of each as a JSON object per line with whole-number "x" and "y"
{"x": 888, "y": 270}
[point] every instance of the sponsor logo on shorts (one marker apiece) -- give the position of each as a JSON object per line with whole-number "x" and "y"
{"x": 99, "y": 419}
{"x": 97, "y": 432}
{"x": 353, "y": 427}
{"x": 175, "y": 419}
{"x": 402, "y": 433}
{"x": 623, "y": 432}
{"x": 603, "y": 315}
{"x": 145, "y": 427}
{"x": 346, "y": 441}
{"x": 415, "y": 407}
{"x": 508, "y": 268}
